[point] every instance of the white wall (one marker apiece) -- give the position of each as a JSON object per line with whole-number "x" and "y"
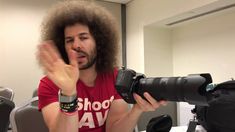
{"x": 20, "y": 32}
{"x": 141, "y": 13}
{"x": 196, "y": 47}
{"x": 204, "y": 46}
{"x": 157, "y": 52}
{"x": 19, "y": 36}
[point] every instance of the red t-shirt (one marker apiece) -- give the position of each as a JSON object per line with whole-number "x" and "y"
{"x": 93, "y": 102}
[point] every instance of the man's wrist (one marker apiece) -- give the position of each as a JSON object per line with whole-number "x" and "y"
{"x": 70, "y": 107}
{"x": 68, "y": 104}
{"x": 68, "y": 93}
{"x": 66, "y": 98}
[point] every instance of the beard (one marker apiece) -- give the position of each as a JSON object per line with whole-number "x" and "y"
{"x": 91, "y": 59}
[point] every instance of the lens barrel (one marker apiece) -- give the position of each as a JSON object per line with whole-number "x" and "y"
{"x": 179, "y": 89}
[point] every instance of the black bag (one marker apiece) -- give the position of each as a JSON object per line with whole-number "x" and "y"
{"x": 219, "y": 116}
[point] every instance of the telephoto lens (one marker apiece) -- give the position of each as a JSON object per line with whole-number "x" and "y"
{"x": 191, "y": 89}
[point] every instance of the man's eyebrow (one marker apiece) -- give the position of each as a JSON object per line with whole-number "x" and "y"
{"x": 80, "y": 34}
{"x": 84, "y": 33}
{"x": 68, "y": 37}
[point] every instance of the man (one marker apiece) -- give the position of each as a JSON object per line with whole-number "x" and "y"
{"x": 78, "y": 56}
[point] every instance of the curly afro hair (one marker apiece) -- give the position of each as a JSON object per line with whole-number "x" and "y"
{"x": 101, "y": 24}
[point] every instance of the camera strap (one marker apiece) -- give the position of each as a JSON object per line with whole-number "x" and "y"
{"x": 192, "y": 125}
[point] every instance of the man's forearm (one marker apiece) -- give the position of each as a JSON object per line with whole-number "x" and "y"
{"x": 65, "y": 123}
{"x": 127, "y": 123}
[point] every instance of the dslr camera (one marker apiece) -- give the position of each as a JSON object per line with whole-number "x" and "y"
{"x": 215, "y": 103}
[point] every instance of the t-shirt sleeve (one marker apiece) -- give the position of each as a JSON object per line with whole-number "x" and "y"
{"x": 47, "y": 92}
{"x": 117, "y": 95}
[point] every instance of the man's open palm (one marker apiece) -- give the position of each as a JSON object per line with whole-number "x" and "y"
{"x": 64, "y": 75}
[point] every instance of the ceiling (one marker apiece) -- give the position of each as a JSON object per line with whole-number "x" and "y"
{"x": 119, "y": 1}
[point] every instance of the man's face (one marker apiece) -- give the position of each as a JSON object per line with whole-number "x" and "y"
{"x": 79, "y": 39}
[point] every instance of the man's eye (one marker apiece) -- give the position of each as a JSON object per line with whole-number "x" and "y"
{"x": 83, "y": 38}
{"x": 69, "y": 41}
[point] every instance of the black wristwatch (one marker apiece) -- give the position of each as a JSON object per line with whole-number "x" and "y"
{"x": 68, "y": 104}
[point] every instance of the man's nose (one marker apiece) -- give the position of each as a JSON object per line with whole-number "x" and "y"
{"x": 77, "y": 44}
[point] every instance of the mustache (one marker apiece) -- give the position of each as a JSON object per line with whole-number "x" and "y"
{"x": 80, "y": 52}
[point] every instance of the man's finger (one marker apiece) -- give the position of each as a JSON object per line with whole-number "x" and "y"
{"x": 73, "y": 58}
{"x": 44, "y": 55}
{"x": 142, "y": 103}
{"x": 151, "y": 100}
{"x": 50, "y": 47}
